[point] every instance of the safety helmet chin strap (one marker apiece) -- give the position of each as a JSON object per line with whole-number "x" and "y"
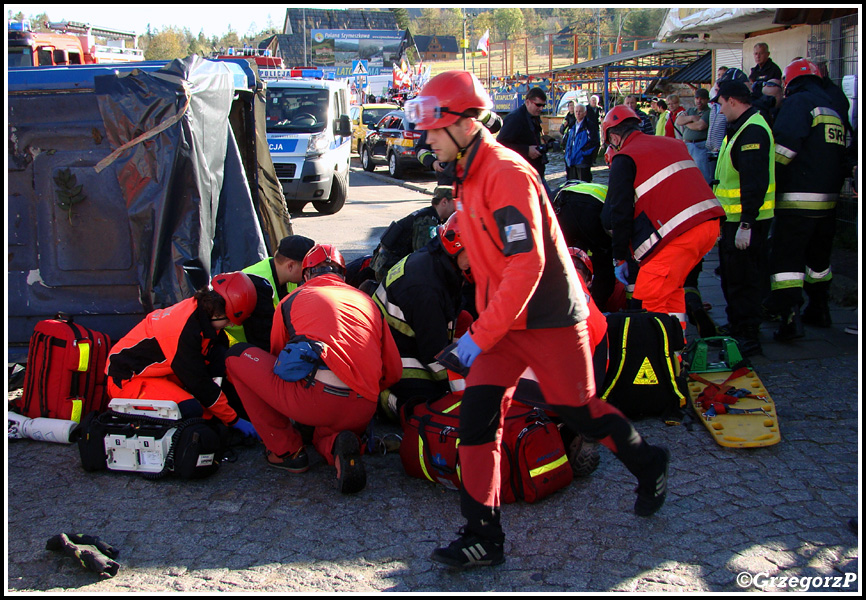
{"x": 461, "y": 150}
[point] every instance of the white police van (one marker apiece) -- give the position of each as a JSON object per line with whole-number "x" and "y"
{"x": 309, "y": 136}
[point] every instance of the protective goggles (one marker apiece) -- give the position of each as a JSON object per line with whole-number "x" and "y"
{"x": 425, "y": 112}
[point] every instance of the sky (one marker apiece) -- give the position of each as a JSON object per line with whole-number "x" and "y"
{"x": 214, "y": 19}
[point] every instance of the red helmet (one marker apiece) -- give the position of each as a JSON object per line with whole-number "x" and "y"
{"x": 449, "y": 236}
{"x": 323, "y": 259}
{"x": 580, "y": 257}
{"x": 238, "y": 291}
{"x": 445, "y": 98}
{"x": 800, "y": 67}
{"x": 618, "y": 114}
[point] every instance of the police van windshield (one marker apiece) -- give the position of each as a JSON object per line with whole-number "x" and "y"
{"x": 297, "y": 110}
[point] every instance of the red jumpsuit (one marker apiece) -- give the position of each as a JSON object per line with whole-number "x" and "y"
{"x": 532, "y": 313}
{"x": 173, "y": 354}
{"x": 360, "y": 360}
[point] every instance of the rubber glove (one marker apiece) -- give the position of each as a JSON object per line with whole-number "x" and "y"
{"x": 743, "y": 238}
{"x": 467, "y": 350}
{"x": 620, "y": 271}
{"x": 246, "y": 428}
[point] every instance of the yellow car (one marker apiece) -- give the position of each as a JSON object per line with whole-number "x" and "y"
{"x": 364, "y": 115}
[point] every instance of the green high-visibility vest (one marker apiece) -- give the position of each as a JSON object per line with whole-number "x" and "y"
{"x": 264, "y": 270}
{"x": 728, "y": 188}
{"x": 596, "y": 190}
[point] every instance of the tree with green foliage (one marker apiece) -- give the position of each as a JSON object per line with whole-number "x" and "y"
{"x": 168, "y": 44}
{"x": 509, "y": 22}
{"x": 402, "y": 15}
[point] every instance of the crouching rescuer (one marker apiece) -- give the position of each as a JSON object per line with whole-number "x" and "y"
{"x": 331, "y": 355}
{"x": 176, "y": 352}
{"x": 531, "y": 313}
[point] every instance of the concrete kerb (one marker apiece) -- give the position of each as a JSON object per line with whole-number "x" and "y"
{"x": 414, "y": 186}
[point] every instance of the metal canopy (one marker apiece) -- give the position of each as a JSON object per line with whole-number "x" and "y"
{"x": 650, "y": 64}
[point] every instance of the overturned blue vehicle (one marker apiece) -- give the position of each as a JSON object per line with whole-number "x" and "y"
{"x": 129, "y": 186}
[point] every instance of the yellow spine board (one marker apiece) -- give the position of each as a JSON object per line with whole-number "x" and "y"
{"x": 752, "y": 430}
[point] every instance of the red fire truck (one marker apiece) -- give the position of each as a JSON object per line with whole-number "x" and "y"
{"x": 73, "y": 44}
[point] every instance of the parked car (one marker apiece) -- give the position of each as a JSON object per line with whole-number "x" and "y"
{"x": 391, "y": 142}
{"x": 364, "y": 115}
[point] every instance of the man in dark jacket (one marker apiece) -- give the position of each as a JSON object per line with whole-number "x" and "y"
{"x": 521, "y": 132}
{"x": 764, "y": 69}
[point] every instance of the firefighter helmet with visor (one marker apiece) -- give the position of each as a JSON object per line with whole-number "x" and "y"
{"x": 445, "y": 99}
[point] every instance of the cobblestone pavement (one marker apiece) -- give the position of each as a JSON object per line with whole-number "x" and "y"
{"x": 735, "y": 519}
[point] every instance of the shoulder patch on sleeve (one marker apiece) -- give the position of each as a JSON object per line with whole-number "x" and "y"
{"x": 515, "y": 233}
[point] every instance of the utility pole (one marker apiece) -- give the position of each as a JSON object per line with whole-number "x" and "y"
{"x": 464, "y": 41}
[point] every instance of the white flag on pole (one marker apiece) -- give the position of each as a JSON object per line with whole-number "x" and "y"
{"x": 484, "y": 43}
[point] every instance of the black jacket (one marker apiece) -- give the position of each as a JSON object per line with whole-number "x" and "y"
{"x": 811, "y": 152}
{"x": 520, "y": 130}
{"x": 428, "y": 294}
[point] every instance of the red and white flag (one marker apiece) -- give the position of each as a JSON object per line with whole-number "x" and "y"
{"x": 484, "y": 43}
{"x": 397, "y": 78}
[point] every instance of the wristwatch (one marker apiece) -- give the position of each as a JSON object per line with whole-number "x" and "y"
{"x": 745, "y": 226}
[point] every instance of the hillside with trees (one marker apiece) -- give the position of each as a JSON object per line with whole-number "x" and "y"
{"x": 596, "y": 27}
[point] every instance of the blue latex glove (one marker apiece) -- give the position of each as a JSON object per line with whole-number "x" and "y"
{"x": 620, "y": 271}
{"x": 246, "y": 428}
{"x": 467, "y": 350}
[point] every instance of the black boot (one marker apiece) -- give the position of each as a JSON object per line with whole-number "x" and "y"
{"x": 748, "y": 340}
{"x": 817, "y": 315}
{"x": 791, "y": 327}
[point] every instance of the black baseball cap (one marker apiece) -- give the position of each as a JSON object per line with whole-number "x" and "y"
{"x": 295, "y": 247}
{"x": 731, "y": 75}
{"x": 738, "y": 89}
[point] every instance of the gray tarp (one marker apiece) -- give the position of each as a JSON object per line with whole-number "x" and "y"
{"x": 172, "y": 182}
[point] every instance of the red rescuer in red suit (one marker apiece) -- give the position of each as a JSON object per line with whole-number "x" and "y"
{"x": 331, "y": 355}
{"x": 531, "y": 313}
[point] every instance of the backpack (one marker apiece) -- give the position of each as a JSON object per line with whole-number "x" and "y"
{"x": 643, "y": 376}
{"x": 533, "y": 465}
{"x": 65, "y": 374}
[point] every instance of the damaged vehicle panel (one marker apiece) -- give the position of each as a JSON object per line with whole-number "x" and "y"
{"x": 129, "y": 186}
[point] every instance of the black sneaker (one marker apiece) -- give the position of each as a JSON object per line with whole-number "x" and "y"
{"x": 470, "y": 550}
{"x": 293, "y": 462}
{"x": 351, "y": 476}
{"x": 582, "y": 453}
{"x": 652, "y": 486}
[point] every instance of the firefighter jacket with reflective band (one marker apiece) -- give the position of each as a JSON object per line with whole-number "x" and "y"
{"x": 181, "y": 341}
{"x": 751, "y": 146}
{"x": 524, "y": 276}
{"x": 357, "y": 343}
{"x": 810, "y": 150}
{"x": 670, "y": 195}
{"x": 421, "y": 300}
{"x": 403, "y": 237}
{"x": 266, "y": 269}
